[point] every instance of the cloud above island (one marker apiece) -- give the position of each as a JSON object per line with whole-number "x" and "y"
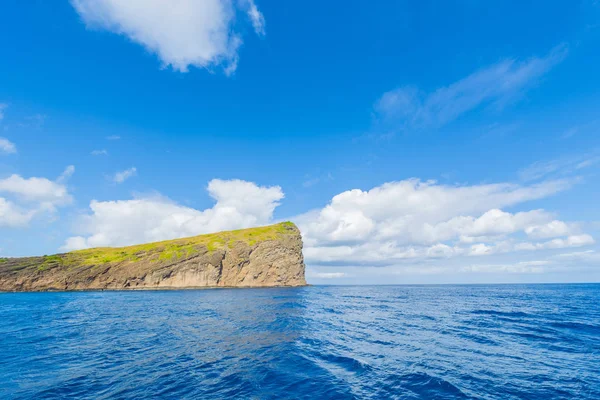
{"x": 411, "y": 219}
{"x": 182, "y": 33}
{"x": 238, "y": 204}
{"x": 392, "y": 225}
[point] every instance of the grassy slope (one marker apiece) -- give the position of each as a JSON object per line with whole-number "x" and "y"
{"x": 165, "y": 251}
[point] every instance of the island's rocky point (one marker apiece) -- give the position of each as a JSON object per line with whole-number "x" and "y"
{"x": 257, "y": 257}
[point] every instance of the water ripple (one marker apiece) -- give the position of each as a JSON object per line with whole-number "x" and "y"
{"x": 386, "y": 342}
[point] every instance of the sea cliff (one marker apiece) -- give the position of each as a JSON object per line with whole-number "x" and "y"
{"x": 257, "y": 257}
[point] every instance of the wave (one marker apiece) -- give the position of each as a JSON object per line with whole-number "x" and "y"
{"x": 406, "y": 342}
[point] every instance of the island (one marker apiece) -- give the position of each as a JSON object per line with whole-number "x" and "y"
{"x": 268, "y": 256}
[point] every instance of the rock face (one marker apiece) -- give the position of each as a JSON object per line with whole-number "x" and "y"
{"x": 257, "y": 257}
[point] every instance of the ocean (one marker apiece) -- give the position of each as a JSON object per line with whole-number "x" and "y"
{"x": 318, "y": 342}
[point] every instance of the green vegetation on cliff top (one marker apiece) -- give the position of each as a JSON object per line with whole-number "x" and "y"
{"x": 165, "y": 251}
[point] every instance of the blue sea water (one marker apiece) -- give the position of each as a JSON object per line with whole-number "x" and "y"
{"x": 321, "y": 342}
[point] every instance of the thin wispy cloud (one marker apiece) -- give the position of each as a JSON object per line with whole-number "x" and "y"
{"x": 3, "y": 106}
{"x": 312, "y": 181}
{"x": 256, "y": 17}
{"x": 33, "y": 121}
{"x": 569, "y": 133}
{"x": 530, "y": 267}
{"x": 67, "y": 173}
{"x": 590, "y": 127}
{"x": 494, "y": 86}
{"x": 559, "y": 167}
{"x": 122, "y": 176}
{"x": 113, "y": 137}
{"x": 102, "y": 152}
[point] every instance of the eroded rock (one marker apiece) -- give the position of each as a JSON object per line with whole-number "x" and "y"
{"x": 256, "y": 257}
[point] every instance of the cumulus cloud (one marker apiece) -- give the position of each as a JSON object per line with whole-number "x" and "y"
{"x": 39, "y": 190}
{"x": 551, "y": 229}
{"x": 412, "y": 219}
{"x": 7, "y": 147}
{"x": 13, "y": 216}
{"x": 122, "y": 176}
{"x": 182, "y": 33}
{"x": 238, "y": 204}
{"x": 405, "y": 227}
{"x": 495, "y": 86}
{"x": 392, "y": 209}
{"x": 29, "y": 197}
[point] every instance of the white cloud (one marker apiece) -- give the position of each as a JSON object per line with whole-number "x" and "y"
{"x": 75, "y": 243}
{"x": 6, "y": 146}
{"x": 389, "y": 210}
{"x": 492, "y": 223}
{"x": 373, "y": 252}
{"x": 495, "y": 85}
{"x": 12, "y": 216}
{"x": 411, "y": 219}
{"x": 399, "y": 228}
{"x": 325, "y": 275}
{"x": 551, "y": 229}
{"x": 39, "y": 190}
{"x": 113, "y": 137}
{"x": 122, "y": 176}
{"x": 3, "y": 106}
{"x": 67, "y": 173}
{"x": 511, "y": 245}
{"x": 239, "y": 204}
{"x": 182, "y": 33}
{"x": 559, "y": 243}
{"x": 102, "y": 152}
{"x": 32, "y": 197}
{"x": 524, "y": 267}
{"x": 587, "y": 254}
{"x": 589, "y": 258}
{"x": 256, "y": 17}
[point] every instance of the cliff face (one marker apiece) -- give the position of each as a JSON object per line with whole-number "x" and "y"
{"x": 257, "y": 257}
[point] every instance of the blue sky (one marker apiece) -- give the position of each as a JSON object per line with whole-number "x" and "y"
{"x": 412, "y": 143}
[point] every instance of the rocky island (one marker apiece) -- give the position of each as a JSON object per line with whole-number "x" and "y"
{"x": 257, "y": 257}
